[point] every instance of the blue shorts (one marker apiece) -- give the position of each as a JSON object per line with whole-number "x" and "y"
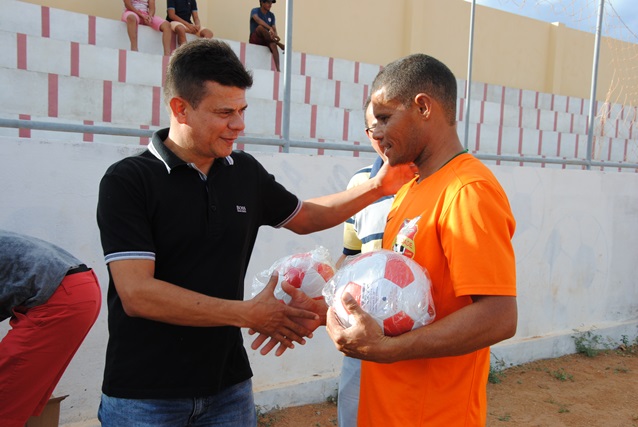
{"x": 348, "y": 397}
{"x": 232, "y": 407}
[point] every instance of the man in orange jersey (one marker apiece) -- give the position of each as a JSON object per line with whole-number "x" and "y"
{"x": 456, "y": 219}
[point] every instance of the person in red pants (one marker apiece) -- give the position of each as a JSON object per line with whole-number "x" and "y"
{"x": 52, "y": 301}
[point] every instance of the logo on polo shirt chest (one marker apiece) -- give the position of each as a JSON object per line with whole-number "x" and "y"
{"x": 241, "y": 209}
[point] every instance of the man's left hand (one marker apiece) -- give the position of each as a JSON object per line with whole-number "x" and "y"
{"x": 363, "y": 339}
{"x": 299, "y": 300}
{"x": 392, "y": 178}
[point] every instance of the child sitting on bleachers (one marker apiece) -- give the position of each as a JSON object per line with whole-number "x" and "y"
{"x": 138, "y": 12}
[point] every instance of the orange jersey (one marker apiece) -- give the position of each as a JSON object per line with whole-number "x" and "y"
{"x": 458, "y": 224}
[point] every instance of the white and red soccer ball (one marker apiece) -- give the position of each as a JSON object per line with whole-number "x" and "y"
{"x": 394, "y": 289}
{"x": 308, "y": 271}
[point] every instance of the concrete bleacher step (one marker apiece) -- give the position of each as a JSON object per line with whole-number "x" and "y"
{"x": 46, "y": 22}
{"x": 92, "y": 78}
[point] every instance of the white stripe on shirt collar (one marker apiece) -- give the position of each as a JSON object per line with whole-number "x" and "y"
{"x": 153, "y": 150}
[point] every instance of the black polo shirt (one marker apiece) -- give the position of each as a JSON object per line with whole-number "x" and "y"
{"x": 183, "y": 8}
{"x": 200, "y": 231}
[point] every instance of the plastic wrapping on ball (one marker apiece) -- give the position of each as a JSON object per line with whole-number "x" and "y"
{"x": 394, "y": 289}
{"x": 307, "y": 271}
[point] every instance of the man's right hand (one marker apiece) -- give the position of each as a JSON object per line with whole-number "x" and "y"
{"x": 299, "y": 300}
{"x": 282, "y": 323}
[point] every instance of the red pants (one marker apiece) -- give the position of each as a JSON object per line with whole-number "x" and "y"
{"x": 41, "y": 343}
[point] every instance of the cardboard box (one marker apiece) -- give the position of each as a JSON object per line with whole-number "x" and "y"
{"x": 50, "y": 416}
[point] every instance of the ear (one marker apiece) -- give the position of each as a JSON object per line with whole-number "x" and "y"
{"x": 424, "y": 104}
{"x": 178, "y": 109}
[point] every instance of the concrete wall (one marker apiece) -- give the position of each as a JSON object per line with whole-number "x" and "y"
{"x": 574, "y": 243}
{"x": 576, "y": 229}
{"x": 509, "y": 49}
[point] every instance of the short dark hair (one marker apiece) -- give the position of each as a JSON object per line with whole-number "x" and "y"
{"x": 405, "y": 78}
{"x": 365, "y": 109}
{"x": 200, "y": 61}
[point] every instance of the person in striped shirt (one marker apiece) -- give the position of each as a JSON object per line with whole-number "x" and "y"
{"x": 362, "y": 233}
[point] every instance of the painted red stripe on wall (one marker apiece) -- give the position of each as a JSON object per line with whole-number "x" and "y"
{"x": 144, "y": 140}
{"x": 279, "y": 118}
{"x": 24, "y": 132}
{"x": 331, "y": 63}
{"x": 121, "y": 66}
{"x": 313, "y": 121}
{"x": 242, "y": 53}
{"x": 558, "y": 144}
{"x": 538, "y": 119}
{"x": 520, "y": 117}
{"x": 157, "y": 95}
{"x": 482, "y": 114}
{"x": 92, "y": 30}
{"x": 75, "y": 59}
{"x": 275, "y": 85}
{"x": 337, "y": 93}
{"x": 346, "y": 125}
{"x": 53, "y": 95}
{"x": 88, "y": 136}
{"x": 308, "y": 89}
{"x": 46, "y": 21}
{"x": 22, "y": 51}
{"x": 107, "y": 101}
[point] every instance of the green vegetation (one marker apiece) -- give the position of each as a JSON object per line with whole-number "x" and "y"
{"x": 497, "y": 373}
{"x": 561, "y": 375}
{"x": 590, "y": 344}
{"x": 266, "y": 418}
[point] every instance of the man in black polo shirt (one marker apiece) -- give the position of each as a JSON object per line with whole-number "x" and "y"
{"x": 178, "y": 224}
{"x": 179, "y": 13}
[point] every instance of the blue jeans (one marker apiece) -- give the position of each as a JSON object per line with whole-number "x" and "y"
{"x": 348, "y": 397}
{"x": 232, "y": 407}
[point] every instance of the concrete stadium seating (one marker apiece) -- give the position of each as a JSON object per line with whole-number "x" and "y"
{"x": 73, "y": 68}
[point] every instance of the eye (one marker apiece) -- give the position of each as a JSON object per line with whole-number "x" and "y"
{"x": 382, "y": 120}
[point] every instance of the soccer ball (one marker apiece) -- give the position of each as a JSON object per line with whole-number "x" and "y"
{"x": 308, "y": 271}
{"x": 392, "y": 288}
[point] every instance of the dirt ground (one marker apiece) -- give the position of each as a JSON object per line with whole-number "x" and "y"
{"x": 570, "y": 391}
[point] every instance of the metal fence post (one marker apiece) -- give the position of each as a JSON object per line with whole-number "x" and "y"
{"x": 594, "y": 78}
{"x": 285, "y": 126}
{"x": 468, "y": 90}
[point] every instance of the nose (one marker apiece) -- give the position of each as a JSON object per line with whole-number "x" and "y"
{"x": 377, "y": 133}
{"x": 236, "y": 122}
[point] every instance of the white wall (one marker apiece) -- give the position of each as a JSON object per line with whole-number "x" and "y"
{"x": 575, "y": 247}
